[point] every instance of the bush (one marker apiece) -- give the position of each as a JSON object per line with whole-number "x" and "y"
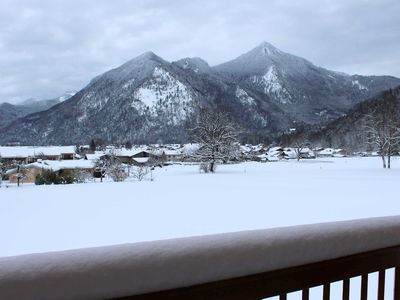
{"x": 67, "y": 177}
{"x": 205, "y": 167}
{"x": 140, "y": 172}
{"x": 81, "y": 176}
{"x": 117, "y": 173}
{"x": 51, "y": 177}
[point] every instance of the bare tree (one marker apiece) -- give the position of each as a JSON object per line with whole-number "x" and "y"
{"x": 216, "y": 135}
{"x": 382, "y": 129}
{"x": 140, "y": 172}
{"x": 40, "y": 155}
{"x": 299, "y": 147}
{"x": 100, "y": 167}
{"x": 21, "y": 174}
{"x": 82, "y": 175}
{"x": 117, "y": 171}
{"x": 110, "y": 165}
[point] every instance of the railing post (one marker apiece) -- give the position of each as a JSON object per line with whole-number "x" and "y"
{"x": 364, "y": 287}
{"x": 327, "y": 291}
{"x": 346, "y": 289}
{"x": 381, "y": 285}
{"x": 305, "y": 294}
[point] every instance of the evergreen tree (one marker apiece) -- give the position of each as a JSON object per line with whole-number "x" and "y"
{"x": 92, "y": 146}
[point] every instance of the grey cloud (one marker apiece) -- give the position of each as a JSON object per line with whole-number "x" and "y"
{"x": 47, "y": 47}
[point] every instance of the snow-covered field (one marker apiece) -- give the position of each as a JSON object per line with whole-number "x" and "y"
{"x": 182, "y": 202}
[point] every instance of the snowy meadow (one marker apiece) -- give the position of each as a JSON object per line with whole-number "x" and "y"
{"x": 181, "y": 202}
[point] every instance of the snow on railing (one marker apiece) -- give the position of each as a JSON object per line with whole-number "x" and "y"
{"x": 241, "y": 265}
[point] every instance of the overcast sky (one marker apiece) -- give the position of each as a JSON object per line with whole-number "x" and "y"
{"x": 51, "y": 46}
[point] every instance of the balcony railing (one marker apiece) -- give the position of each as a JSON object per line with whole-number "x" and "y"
{"x": 246, "y": 265}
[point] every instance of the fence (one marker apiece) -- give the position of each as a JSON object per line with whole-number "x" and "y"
{"x": 244, "y": 265}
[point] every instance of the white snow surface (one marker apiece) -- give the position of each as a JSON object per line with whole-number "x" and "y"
{"x": 359, "y": 85}
{"x": 182, "y": 202}
{"x": 57, "y": 165}
{"x": 272, "y": 85}
{"x": 166, "y": 93}
{"x": 162, "y": 87}
{"x": 244, "y": 97}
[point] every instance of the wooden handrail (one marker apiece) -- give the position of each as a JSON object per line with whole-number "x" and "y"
{"x": 301, "y": 278}
{"x": 249, "y": 265}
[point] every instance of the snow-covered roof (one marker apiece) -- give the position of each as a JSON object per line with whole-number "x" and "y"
{"x": 172, "y": 152}
{"x": 306, "y": 150}
{"x": 128, "y": 152}
{"x": 326, "y": 151}
{"x": 274, "y": 149}
{"x": 190, "y": 148}
{"x": 57, "y": 165}
{"x": 69, "y": 164}
{"x": 29, "y": 151}
{"x": 95, "y": 156}
{"x": 141, "y": 160}
{"x": 245, "y": 148}
{"x": 267, "y": 157}
{"x": 251, "y": 148}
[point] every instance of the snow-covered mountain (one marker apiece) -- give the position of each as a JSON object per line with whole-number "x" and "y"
{"x": 148, "y": 99}
{"x": 308, "y": 92}
{"x": 348, "y": 132}
{"x": 10, "y": 112}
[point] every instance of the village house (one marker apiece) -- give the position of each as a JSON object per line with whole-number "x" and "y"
{"x": 173, "y": 155}
{"x": 30, "y": 154}
{"x": 251, "y": 152}
{"x": 29, "y": 172}
{"x": 138, "y": 156}
{"x": 330, "y": 152}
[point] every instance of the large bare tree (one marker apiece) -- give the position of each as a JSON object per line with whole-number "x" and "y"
{"x": 299, "y": 147}
{"x": 382, "y": 128}
{"x": 217, "y": 136}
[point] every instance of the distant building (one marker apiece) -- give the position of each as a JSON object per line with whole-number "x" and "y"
{"x": 30, "y": 171}
{"x": 29, "y": 154}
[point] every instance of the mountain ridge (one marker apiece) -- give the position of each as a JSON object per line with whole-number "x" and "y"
{"x": 11, "y": 112}
{"x": 148, "y": 99}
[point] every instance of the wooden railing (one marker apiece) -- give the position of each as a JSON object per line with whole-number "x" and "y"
{"x": 301, "y": 278}
{"x": 249, "y": 265}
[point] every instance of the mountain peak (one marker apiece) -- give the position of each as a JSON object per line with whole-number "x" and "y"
{"x": 265, "y": 44}
{"x": 267, "y": 49}
{"x": 196, "y": 64}
{"x": 255, "y": 62}
{"x": 260, "y": 59}
{"x": 148, "y": 55}
{"x": 139, "y": 67}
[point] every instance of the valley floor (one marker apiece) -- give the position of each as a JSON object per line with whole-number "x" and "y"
{"x": 183, "y": 202}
